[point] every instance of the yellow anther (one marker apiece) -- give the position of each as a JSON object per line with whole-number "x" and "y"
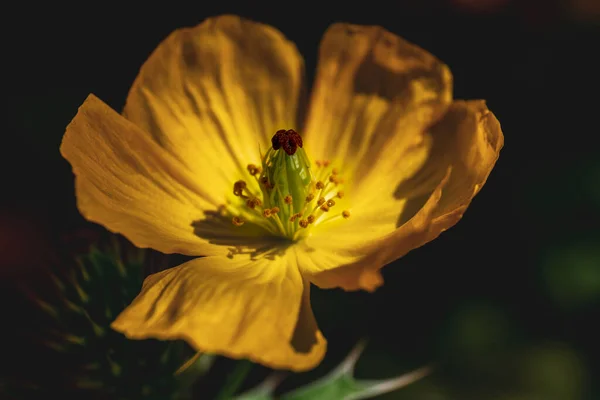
{"x": 238, "y": 188}
{"x": 253, "y": 169}
{"x": 240, "y": 184}
{"x": 253, "y": 203}
{"x": 237, "y": 221}
{"x": 287, "y": 196}
{"x": 296, "y": 216}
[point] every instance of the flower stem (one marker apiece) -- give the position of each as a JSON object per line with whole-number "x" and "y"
{"x": 234, "y": 380}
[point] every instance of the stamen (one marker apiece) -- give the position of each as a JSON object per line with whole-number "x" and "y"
{"x": 296, "y": 216}
{"x": 238, "y": 188}
{"x": 286, "y": 195}
{"x": 237, "y": 221}
{"x": 254, "y": 170}
{"x": 253, "y": 203}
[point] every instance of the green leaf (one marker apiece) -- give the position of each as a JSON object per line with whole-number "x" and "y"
{"x": 332, "y": 387}
{"x": 252, "y": 395}
{"x": 265, "y": 390}
{"x": 235, "y": 380}
{"x": 340, "y": 384}
{"x": 194, "y": 368}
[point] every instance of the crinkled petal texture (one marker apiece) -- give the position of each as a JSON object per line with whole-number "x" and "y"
{"x": 203, "y": 103}
{"x": 374, "y": 96}
{"x": 382, "y": 109}
{"x": 240, "y": 307}
{"x": 127, "y": 182}
{"x": 201, "y": 106}
{"x": 214, "y": 94}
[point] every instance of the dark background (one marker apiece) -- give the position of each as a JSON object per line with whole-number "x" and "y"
{"x": 507, "y": 302}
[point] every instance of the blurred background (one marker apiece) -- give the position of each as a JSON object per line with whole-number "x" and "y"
{"x": 507, "y": 302}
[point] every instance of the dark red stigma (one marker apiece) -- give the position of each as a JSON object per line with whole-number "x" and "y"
{"x": 288, "y": 140}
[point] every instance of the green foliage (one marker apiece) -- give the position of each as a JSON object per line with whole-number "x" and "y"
{"x": 340, "y": 384}
{"x": 92, "y": 359}
{"x": 571, "y": 273}
{"x": 75, "y": 353}
{"x": 553, "y": 371}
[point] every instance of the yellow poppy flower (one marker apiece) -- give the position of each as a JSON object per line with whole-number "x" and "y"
{"x": 216, "y": 154}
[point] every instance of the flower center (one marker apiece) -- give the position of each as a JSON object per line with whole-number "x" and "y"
{"x": 288, "y": 198}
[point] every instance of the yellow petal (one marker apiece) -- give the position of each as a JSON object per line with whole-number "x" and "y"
{"x": 238, "y": 307}
{"x": 374, "y": 96}
{"x": 466, "y": 145}
{"x": 128, "y": 183}
{"x": 477, "y": 146}
{"x": 212, "y": 94}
